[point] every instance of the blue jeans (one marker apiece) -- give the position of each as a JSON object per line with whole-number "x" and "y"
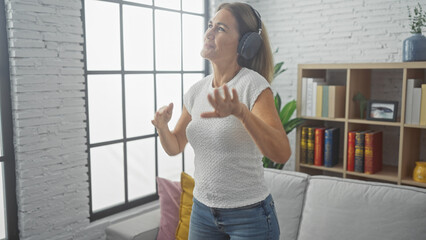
{"x": 257, "y": 222}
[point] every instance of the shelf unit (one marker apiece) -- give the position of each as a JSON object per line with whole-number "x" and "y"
{"x": 403, "y": 144}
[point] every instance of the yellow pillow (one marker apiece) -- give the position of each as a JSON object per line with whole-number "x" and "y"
{"x": 187, "y": 184}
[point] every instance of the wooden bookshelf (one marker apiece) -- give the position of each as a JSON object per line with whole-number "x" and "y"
{"x": 403, "y": 144}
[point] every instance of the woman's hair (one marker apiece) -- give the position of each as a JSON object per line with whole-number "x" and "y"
{"x": 263, "y": 62}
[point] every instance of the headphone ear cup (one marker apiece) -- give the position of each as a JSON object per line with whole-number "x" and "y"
{"x": 249, "y": 45}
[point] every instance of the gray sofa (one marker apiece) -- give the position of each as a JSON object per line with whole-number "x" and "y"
{"x": 321, "y": 207}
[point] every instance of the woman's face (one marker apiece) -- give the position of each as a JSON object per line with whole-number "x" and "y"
{"x": 221, "y": 38}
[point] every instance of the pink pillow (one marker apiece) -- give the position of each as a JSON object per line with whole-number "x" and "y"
{"x": 169, "y": 193}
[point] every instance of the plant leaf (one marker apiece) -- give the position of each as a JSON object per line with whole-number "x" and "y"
{"x": 277, "y": 68}
{"x": 292, "y": 124}
{"x": 287, "y": 111}
{"x": 276, "y": 50}
{"x": 276, "y": 74}
{"x": 279, "y": 166}
{"x": 282, "y": 70}
{"x": 265, "y": 161}
{"x": 278, "y": 103}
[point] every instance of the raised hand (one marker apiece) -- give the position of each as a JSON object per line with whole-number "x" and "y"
{"x": 163, "y": 116}
{"x": 223, "y": 105}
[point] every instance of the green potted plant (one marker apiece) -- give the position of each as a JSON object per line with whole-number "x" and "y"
{"x": 414, "y": 47}
{"x": 285, "y": 114}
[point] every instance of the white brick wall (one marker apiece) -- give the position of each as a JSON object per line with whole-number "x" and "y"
{"x": 45, "y": 40}
{"x": 46, "y": 53}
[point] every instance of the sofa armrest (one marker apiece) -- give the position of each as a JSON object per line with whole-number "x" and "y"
{"x": 141, "y": 227}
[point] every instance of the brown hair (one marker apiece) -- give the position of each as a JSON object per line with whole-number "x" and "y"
{"x": 263, "y": 62}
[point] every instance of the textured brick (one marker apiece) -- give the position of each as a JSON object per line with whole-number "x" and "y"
{"x": 47, "y": 82}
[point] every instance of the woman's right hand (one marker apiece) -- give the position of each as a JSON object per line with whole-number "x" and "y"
{"x": 163, "y": 116}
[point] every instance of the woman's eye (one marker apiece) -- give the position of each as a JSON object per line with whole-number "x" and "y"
{"x": 217, "y": 28}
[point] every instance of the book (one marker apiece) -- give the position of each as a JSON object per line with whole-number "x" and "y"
{"x": 331, "y": 147}
{"x": 311, "y": 145}
{"x": 304, "y": 145}
{"x": 417, "y": 98}
{"x": 336, "y": 101}
{"x": 373, "y": 152}
{"x": 351, "y": 151}
{"x": 303, "y": 103}
{"x": 411, "y": 84}
{"x": 324, "y": 112}
{"x": 319, "y": 147}
{"x": 314, "y": 98}
{"x": 423, "y": 106}
{"x": 359, "y": 151}
{"x": 318, "y": 111}
{"x": 315, "y": 83}
{"x": 309, "y": 97}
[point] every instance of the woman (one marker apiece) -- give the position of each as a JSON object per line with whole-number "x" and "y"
{"x": 230, "y": 131}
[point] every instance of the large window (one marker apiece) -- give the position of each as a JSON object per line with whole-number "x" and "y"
{"x": 8, "y": 206}
{"x": 140, "y": 55}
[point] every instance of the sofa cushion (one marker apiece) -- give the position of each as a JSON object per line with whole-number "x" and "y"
{"x": 288, "y": 191}
{"x": 348, "y": 209}
{"x": 169, "y": 193}
{"x": 187, "y": 185}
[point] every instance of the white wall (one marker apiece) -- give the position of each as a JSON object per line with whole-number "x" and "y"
{"x": 46, "y": 58}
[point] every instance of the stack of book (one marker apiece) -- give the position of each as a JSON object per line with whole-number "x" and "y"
{"x": 415, "y": 112}
{"x": 320, "y": 146}
{"x": 365, "y": 151}
{"x": 322, "y": 100}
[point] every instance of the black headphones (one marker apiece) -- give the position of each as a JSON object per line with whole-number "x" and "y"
{"x": 250, "y": 43}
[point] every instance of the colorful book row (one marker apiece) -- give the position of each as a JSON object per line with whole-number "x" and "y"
{"x": 322, "y": 100}
{"x": 320, "y": 146}
{"x": 415, "y": 112}
{"x": 365, "y": 151}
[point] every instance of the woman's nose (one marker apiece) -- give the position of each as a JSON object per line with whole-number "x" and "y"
{"x": 210, "y": 34}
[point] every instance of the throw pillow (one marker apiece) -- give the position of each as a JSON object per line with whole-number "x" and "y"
{"x": 187, "y": 185}
{"x": 169, "y": 193}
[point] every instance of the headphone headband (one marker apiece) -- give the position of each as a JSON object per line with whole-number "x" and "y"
{"x": 258, "y": 19}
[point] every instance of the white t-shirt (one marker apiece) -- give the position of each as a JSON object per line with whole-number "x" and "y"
{"x": 228, "y": 164}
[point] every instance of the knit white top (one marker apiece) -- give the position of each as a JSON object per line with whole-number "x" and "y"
{"x": 228, "y": 164}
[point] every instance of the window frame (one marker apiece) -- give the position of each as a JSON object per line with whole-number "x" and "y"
{"x": 8, "y": 158}
{"x": 124, "y": 140}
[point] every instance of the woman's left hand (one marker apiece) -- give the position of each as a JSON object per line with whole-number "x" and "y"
{"x": 223, "y": 106}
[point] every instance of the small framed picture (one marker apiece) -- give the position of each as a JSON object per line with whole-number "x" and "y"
{"x": 382, "y": 110}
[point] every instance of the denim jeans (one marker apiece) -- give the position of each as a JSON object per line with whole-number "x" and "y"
{"x": 254, "y": 222}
